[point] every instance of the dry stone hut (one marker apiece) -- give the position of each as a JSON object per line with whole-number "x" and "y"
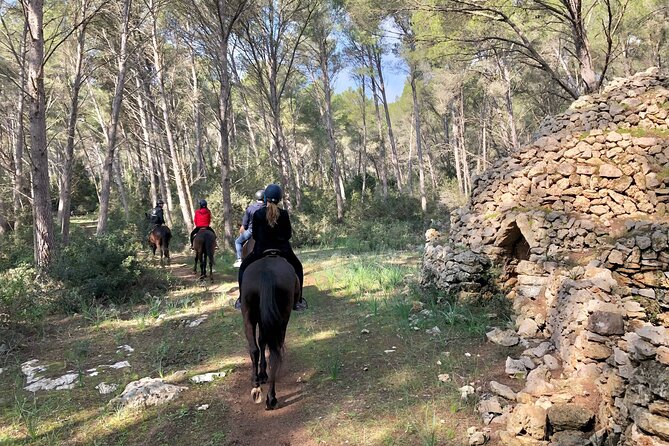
{"x": 575, "y": 226}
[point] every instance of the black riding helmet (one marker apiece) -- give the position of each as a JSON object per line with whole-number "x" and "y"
{"x": 259, "y": 195}
{"x": 203, "y": 203}
{"x": 273, "y": 193}
{"x": 160, "y": 203}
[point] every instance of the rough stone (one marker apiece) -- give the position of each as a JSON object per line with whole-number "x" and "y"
{"x": 502, "y": 390}
{"x": 569, "y": 438}
{"x": 528, "y": 328}
{"x": 659, "y": 407}
{"x": 506, "y": 338}
{"x": 528, "y": 418}
{"x": 570, "y": 416}
{"x": 515, "y": 367}
{"x": 653, "y": 424}
{"x": 606, "y": 323}
{"x": 146, "y": 392}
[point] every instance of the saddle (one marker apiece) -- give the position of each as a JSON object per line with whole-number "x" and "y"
{"x": 271, "y": 253}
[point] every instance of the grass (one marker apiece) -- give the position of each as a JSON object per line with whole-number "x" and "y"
{"x": 638, "y": 132}
{"x": 369, "y": 368}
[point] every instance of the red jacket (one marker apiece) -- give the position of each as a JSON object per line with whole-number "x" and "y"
{"x": 202, "y": 217}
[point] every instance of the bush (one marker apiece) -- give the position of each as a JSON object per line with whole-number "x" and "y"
{"x": 21, "y": 300}
{"x": 103, "y": 269}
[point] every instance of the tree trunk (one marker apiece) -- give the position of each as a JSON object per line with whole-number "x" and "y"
{"x": 513, "y": 136}
{"x": 197, "y": 120}
{"x": 363, "y": 149}
{"x": 466, "y": 177}
{"x": 17, "y": 178}
{"x": 65, "y": 196}
{"x": 147, "y": 140}
{"x": 332, "y": 143}
{"x": 455, "y": 145}
{"x": 169, "y": 135}
{"x": 44, "y": 243}
{"x": 382, "y": 140}
{"x": 107, "y": 168}
{"x": 419, "y": 145}
{"x": 391, "y": 137}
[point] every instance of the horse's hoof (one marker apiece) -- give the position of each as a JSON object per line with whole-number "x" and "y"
{"x": 271, "y": 403}
{"x": 256, "y": 395}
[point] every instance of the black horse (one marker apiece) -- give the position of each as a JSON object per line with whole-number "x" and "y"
{"x": 204, "y": 244}
{"x": 159, "y": 238}
{"x": 269, "y": 289}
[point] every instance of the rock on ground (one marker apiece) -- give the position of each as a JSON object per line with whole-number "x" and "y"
{"x": 146, "y": 392}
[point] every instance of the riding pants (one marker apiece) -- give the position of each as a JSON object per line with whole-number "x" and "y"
{"x": 239, "y": 242}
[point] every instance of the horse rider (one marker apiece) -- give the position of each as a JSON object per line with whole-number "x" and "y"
{"x": 202, "y": 220}
{"x": 246, "y": 229}
{"x": 272, "y": 230}
{"x": 156, "y": 216}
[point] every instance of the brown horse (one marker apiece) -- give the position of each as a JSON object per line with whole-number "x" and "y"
{"x": 159, "y": 238}
{"x": 204, "y": 244}
{"x": 269, "y": 289}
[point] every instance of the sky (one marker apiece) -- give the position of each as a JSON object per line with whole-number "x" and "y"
{"x": 394, "y": 76}
{"x": 394, "y": 69}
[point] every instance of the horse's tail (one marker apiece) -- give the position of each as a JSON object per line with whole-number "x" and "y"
{"x": 271, "y": 320}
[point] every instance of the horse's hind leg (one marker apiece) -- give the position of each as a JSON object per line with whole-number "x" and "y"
{"x": 274, "y": 365}
{"x": 254, "y": 352}
{"x": 262, "y": 371}
{"x": 211, "y": 268}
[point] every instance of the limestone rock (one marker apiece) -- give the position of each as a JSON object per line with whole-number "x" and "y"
{"x": 502, "y": 390}
{"x": 506, "y": 338}
{"x": 569, "y": 438}
{"x": 528, "y": 418}
{"x": 653, "y": 424}
{"x": 478, "y": 438}
{"x": 146, "y": 392}
{"x": 570, "y": 416}
{"x": 515, "y": 367}
{"x": 528, "y": 328}
{"x": 606, "y": 323}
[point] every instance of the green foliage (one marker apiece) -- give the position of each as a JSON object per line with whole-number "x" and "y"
{"x": 372, "y": 224}
{"x": 96, "y": 270}
{"x": 21, "y": 299}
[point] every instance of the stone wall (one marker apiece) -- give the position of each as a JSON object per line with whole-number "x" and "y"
{"x": 575, "y": 226}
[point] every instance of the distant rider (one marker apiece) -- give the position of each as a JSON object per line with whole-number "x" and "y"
{"x": 202, "y": 220}
{"x": 246, "y": 229}
{"x": 156, "y": 216}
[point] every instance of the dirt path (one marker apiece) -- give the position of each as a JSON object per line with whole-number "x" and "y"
{"x": 249, "y": 424}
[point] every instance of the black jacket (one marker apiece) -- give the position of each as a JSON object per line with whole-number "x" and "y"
{"x": 267, "y": 237}
{"x": 156, "y": 216}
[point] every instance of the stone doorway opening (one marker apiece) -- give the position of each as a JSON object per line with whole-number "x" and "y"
{"x": 514, "y": 248}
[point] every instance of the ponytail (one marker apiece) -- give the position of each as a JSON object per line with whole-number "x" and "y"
{"x": 272, "y": 214}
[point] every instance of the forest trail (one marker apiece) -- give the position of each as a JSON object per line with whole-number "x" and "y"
{"x": 247, "y": 423}
{"x": 361, "y": 364}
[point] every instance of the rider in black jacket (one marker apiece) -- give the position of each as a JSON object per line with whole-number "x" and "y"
{"x": 156, "y": 216}
{"x": 272, "y": 230}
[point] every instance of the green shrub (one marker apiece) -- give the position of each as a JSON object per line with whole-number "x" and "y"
{"x": 21, "y": 300}
{"x": 100, "y": 268}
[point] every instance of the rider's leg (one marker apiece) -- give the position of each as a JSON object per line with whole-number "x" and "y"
{"x": 247, "y": 261}
{"x": 192, "y": 235}
{"x": 297, "y": 265}
{"x": 239, "y": 242}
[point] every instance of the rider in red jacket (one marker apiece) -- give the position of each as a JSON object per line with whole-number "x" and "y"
{"x": 202, "y": 220}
